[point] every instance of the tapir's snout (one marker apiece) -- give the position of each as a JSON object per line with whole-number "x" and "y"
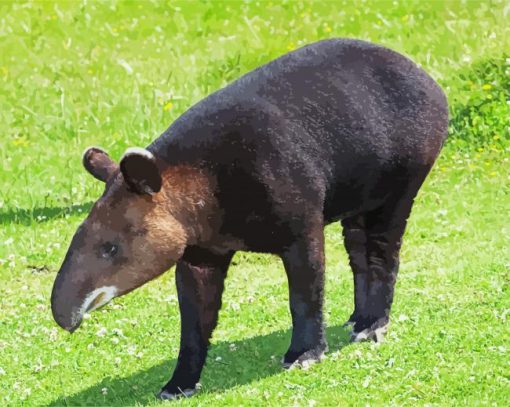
{"x": 72, "y": 298}
{"x": 64, "y": 307}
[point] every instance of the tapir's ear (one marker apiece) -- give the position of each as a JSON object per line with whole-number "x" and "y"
{"x": 98, "y": 163}
{"x": 138, "y": 166}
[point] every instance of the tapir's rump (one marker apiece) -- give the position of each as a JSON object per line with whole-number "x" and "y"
{"x": 338, "y": 130}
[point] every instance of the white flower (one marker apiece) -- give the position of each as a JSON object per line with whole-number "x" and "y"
{"x": 53, "y": 334}
{"x": 234, "y": 306}
{"x": 104, "y": 391}
{"x": 118, "y": 332}
{"x": 101, "y": 332}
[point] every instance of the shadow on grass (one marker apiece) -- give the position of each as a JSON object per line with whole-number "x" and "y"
{"x": 229, "y": 364}
{"x": 37, "y": 215}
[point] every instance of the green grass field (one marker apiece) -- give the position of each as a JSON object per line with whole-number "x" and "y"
{"x": 116, "y": 75}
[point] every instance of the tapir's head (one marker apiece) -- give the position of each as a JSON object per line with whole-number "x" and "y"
{"x": 129, "y": 237}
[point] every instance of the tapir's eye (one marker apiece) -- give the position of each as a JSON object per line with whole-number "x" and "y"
{"x": 109, "y": 250}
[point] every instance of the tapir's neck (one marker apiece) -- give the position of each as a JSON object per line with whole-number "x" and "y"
{"x": 188, "y": 194}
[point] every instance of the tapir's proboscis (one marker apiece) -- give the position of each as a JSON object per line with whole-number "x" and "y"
{"x": 339, "y": 130}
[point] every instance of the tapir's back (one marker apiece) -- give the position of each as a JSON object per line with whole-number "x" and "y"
{"x": 345, "y": 98}
{"x": 351, "y": 90}
{"x": 338, "y": 91}
{"x": 329, "y": 120}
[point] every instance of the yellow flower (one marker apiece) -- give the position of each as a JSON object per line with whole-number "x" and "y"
{"x": 20, "y": 142}
{"x": 327, "y": 29}
{"x": 168, "y": 106}
{"x": 487, "y": 86}
{"x": 291, "y": 46}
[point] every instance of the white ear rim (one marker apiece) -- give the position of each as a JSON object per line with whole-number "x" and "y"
{"x": 138, "y": 151}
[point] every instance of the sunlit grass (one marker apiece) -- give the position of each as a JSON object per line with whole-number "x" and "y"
{"x": 116, "y": 75}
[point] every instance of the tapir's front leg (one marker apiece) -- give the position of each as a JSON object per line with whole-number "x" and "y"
{"x": 304, "y": 264}
{"x": 199, "y": 278}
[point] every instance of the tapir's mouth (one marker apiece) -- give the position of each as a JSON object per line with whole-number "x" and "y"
{"x": 96, "y": 302}
{"x": 95, "y": 299}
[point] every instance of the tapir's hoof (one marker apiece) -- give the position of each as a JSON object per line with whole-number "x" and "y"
{"x": 375, "y": 334}
{"x": 168, "y": 395}
{"x": 305, "y": 360}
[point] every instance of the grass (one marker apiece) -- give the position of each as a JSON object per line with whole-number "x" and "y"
{"x": 116, "y": 75}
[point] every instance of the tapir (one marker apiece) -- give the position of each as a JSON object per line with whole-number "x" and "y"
{"x": 339, "y": 130}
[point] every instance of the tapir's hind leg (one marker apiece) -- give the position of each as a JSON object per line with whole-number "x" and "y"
{"x": 304, "y": 265}
{"x": 200, "y": 279}
{"x": 373, "y": 243}
{"x": 355, "y": 240}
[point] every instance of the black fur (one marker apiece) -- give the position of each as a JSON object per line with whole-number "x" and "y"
{"x": 338, "y": 130}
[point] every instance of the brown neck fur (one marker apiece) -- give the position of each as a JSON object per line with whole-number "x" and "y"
{"x": 188, "y": 195}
